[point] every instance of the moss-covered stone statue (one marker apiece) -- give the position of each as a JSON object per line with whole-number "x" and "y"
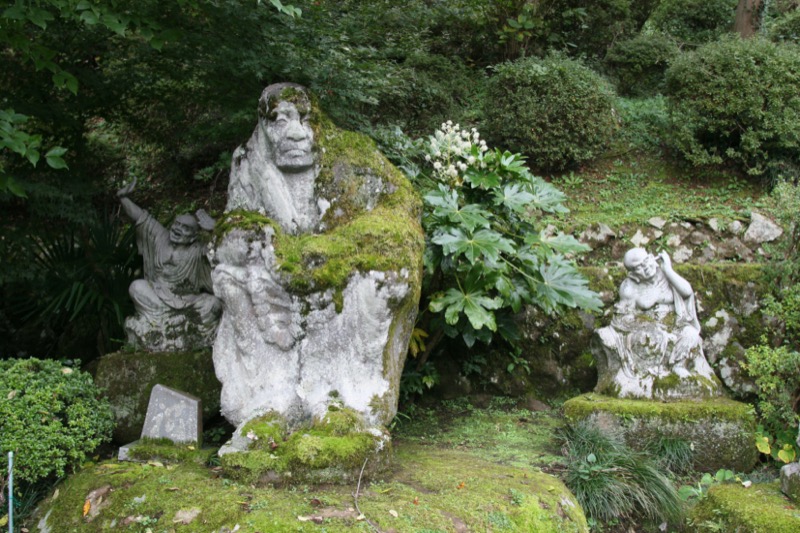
{"x": 175, "y": 309}
{"x": 318, "y": 264}
{"x": 652, "y": 348}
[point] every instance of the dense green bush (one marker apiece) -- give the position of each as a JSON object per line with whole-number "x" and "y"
{"x": 735, "y": 102}
{"x": 589, "y": 27}
{"x": 554, "y": 110}
{"x": 51, "y": 417}
{"x": 694, "y": 21}
{"x": 786, "y": 28}
{"x": 428, "y": 90}
{"x": 639, "y": 63}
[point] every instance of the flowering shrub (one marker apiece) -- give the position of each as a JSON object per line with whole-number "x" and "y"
{"x": 485, "y": 255}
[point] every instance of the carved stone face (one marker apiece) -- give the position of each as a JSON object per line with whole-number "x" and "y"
{"x": 641, "y": 265}
{"x": 290, "y": 138}
{"x": 183, "y": 230}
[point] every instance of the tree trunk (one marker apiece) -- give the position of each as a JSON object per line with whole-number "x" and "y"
{"x": 747, "y": 17}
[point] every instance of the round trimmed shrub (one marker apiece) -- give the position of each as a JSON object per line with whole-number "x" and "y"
{"x": 694, "y": 21}
{"x": 639, "y": 63}
{"x": 736, "y": 102}
{"x": 555, "y": 110}
{"x": 51, "y": 417}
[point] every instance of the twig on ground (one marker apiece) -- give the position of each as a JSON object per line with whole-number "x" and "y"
{"x": 355, "y": 497}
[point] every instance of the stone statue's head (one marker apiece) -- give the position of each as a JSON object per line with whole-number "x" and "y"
{"x": 284, "y": 111}
{"x": 184, "y": 229}
{"x": 641, "y": 265}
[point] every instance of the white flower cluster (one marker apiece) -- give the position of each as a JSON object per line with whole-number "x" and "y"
{"x": 453, "y": 150}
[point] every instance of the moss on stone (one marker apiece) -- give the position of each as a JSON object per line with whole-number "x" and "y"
{"x": 720, "y": 430}
{"x": 678, "y": 411}
{"x": 761, "y": 508}
{"x": 169, "y": 452}
{"x": 128, "y": 377}
{"x": 331, "y": 448}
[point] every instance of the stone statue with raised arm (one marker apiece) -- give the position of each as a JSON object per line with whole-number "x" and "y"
{"x": 653, "y": 348}
{"x": 175, "y": 307}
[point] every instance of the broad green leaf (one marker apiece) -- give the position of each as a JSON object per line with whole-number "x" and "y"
{"x": 565, "y": 244}
{"x": 32, "y": 155}
{"x": 56, "y": 151}
{"x": 470, "y": 216}
{"x": 11, "y": 185}
{"x": 482, "y": 178}
{"x": 475, "y": 305}
{"x": 513, "y": 197}
{"x": 56, "y": 162}
{"x": 547, "y": 198}
{"x": 562, "y": 285}
{"x": 787, "y": 453}
{"x": 483, "y": 244}
{"x": 65, "y": 80}
{"x": 89, "y": 17}
{"x": 39, "y": 17}
{"x": 762, "y": 443}
{"x": 83, "y": 4}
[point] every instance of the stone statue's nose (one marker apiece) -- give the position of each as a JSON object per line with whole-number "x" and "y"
{"x": 295, "y": 131}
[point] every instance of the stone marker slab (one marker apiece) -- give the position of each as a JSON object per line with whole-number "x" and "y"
{"x": 173, "y": 415}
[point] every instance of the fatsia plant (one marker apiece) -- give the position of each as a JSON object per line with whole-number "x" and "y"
{"x": 487, "y": 254}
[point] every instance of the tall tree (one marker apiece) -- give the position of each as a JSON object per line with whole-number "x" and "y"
{"x": 748, "y": 17}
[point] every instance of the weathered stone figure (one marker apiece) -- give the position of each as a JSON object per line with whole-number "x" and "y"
{"x": 329, "y": 321}
{"x": 175, "y": 309}
{"x": 275, "y": 172}
{"x": 653, "y": 349}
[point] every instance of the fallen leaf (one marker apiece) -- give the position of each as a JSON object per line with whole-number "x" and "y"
{"x": 186, "y": 516}
{"x": 746, "y": 484}
{"x": 314, "y": 519}
{"x": 86, "y": 507}
{"x": 461, "y": 485}
{"x": 315, "y": 502}
{"x": 416, "y": 501}
{"x": 11, "y": 397}
{"x": 66, "y": 371}
{"x": 393, "y": 513}
{"x": 155, "y": 463}
{"x": 174, "y": 489}
{"x": 361, "y": 518}
{"x": 55, "y": 495}
{"x": 190, "y": 447}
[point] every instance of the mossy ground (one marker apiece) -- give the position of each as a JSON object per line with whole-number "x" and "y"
{"x": 446, "y": 478}
{"x": 761, "y": 508}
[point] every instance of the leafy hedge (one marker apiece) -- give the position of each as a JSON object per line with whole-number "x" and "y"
{"x": 51, "y": 417}
{"x": 694, "y": 21}
{"x": 639, "y": 63}
{"x": 736, "y": 102}
{"x": 554, "y": 110}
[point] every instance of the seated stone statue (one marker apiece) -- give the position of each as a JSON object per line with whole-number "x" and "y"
{"x": 175, "y": 309}
{"x": 318, "y": 268}
{"x": 653, "y": 348}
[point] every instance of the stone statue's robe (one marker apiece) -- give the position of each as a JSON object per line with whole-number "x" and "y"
{"x": 175, "y": 277}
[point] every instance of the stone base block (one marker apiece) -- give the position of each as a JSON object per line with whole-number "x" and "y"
{"x": 759, "y": 508}
{"x": 720, "y": 430}
{"x": 790, "y": 481}
{"x": 336, "y": 448}
{"x": 129, "y": 377}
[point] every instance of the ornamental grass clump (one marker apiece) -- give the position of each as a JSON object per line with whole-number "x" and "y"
{"x": 614, "y": 483}
{"x": 51, "y": 416}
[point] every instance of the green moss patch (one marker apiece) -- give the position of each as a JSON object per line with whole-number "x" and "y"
{"x": 332, "y": 449}
{"x": 165, "y": 450}
{"x": 430, "y": 490}
{"x": 761, "y": 508}
{"x": 720, "y": 430}
{"x": 128, "y": 378}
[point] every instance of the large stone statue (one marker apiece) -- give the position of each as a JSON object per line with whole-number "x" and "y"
{"x": 175, "y": 309}
{"x": 318, "y": 268}
{"x": 653, "y": 349}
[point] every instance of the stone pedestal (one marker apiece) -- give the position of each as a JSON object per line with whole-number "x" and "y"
{"x": 719, "y": 430}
